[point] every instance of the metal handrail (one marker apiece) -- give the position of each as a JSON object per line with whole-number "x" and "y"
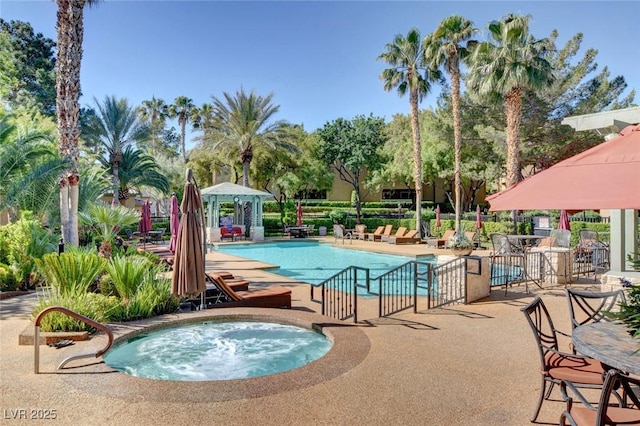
{"x": 89, "y": 321}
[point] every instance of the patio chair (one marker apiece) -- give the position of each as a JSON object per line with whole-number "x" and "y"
{"x": 157, "y": 236}
{"x": 556, "y": 367}
{"x": 226, "y": 233}
{"x": 237, "y": 233}
{"x": 339, "y": 232}
{"x": 399, "y": 233}
{"x": 586, "y": 307}
{"x": 408, "y": 238}
{"x": 271, "y": 297}
{"x": 311, "y": 229}
{"x": 378, "y": 237}
{"x": 605, "y": 413}
{"x": 360, "y": 231}
{"x": 591, "y": 255}
{"x": 440, "y": 242}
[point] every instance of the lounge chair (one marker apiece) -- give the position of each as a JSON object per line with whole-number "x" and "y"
{"x": 271, "y": 297}
{"x": 339, "y": 232}
{"x": 379, "y": 230}
{"x": 440, "y": 242}
{"x": 408, "y": 238}
{"x": 360, "y": 231}
{"x": 399, "y": 233}
{"x": 378, "y": 237}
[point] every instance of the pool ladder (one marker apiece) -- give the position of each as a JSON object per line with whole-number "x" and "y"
{"x": 89, "y": 321}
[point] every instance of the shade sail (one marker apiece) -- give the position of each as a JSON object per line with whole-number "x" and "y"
{"x": 606, "y": 176}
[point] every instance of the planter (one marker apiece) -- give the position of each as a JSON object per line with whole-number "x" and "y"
{"x": 461, "y": 251}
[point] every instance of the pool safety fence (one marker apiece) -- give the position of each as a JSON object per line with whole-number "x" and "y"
{"x": 398, "y": 289}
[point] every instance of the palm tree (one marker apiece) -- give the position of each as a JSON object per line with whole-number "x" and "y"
{"x": 408, "y": 73}
{"x": 70, "y": 32}
{"x": 446, "y": 47}
{"x": 138, "y": 169}
{"x": 154, "y": 113}
{"x": 182, "y": 108}
{"x": 29, "y": 169}
{"x": 115, "y": 127}
{"x": 244, "y": 120}
{"x": 203, "y": 119}
{"x": 509, "y": 68}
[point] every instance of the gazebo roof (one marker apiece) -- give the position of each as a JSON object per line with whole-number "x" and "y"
{"x": 227, "y": 191}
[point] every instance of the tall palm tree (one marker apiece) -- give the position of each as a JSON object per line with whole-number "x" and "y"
{"x": 244, "y": 120}
{"x": 507, "y": 66}
{"x": 446, "y": 47}
{"x": 409, "y": 73}
{"x": 70, "y": 32}
{"x": 182, "y": 109}
{"x": 115, "y": 127}
{"x": 203, "y": 119}
{"x": 154, "y": 113}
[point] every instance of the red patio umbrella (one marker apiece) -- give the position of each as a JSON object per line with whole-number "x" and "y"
{"x": 478, "y": 218}
{"x": 606, "y": 176}
{"x": 174, "y": 222}
{"x": 188, "y": 266}
{"x": 299, "y": 214}
{"x": 564, "y": 223}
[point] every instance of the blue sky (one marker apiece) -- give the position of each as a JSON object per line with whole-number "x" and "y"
{"x": 318, "y": 58}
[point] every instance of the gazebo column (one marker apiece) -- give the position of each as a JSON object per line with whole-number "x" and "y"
{"x": 257, "y": 230}
{"x": 213, "y": 225}
{"x": 623, "y": 237}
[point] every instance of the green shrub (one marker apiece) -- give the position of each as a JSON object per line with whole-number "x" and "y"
{"x": 8, "y": 281}
{"x": 92, "y": 305}
{"x": 72, "y": 272}
{"x": 127, "y": 274}
{"x": 338, "y": 216}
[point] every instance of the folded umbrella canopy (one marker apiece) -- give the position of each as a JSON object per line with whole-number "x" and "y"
{"x": 174, "y": 222}
{"x": 438, "y": 224}
{"x": 606, "y": 176}
{"x": 144, "y": 226}
{"x": 188, "y": 266}
{"x": 299, "y": 214}
{"x": 478, "y": 218}
{"x": 564, "y": 223}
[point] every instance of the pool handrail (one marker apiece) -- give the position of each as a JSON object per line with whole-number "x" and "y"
{"x": 86, "y": 320}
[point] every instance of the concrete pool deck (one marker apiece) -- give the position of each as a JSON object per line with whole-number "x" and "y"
{"x": 463, "y": 365}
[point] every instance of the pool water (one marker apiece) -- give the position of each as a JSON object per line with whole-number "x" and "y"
{"x": 218, "y": 351}
{"x": 313, "y": 262}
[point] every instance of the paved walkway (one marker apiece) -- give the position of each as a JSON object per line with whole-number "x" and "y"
{"x": 464, "y": 365}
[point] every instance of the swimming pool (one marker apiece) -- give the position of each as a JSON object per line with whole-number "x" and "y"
{"x": 314, "y": 262}
{"x": 213, "y": 350}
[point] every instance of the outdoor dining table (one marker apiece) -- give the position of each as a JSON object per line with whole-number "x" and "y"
{"x": 298, "y": 231}
{"x": 522, "y": 241}
{"x": 610, "y": 343}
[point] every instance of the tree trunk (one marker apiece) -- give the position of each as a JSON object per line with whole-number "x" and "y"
{"x": 513, "y": 112}
{"x": 457, "y": 147}
{"x": 70, "y": 34}
{"x": 417, "y": 157}
{"x": 64, "y": 210}
{"x": 183, "y": 124}
{"x": 246, "y": 157}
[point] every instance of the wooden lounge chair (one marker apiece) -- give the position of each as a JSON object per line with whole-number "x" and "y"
{"x": 271, "y": 297}
{"x": 408, "y": 238}
{"x": 440, "y": 242}
{"x": 399, "y": 233}
{"x": 378, "y": 237}
{"x": 379, "y": 230}
{"x": 360, "y": 231}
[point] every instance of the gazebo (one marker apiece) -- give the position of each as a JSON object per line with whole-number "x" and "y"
{"x": 230, "y": 192}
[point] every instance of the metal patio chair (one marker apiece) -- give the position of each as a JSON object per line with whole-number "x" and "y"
{"x": 556, "y": 367}
{"x": 604, "y": 413}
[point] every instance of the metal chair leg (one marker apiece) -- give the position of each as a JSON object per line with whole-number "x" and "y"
{"x": 542, "y": 397}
